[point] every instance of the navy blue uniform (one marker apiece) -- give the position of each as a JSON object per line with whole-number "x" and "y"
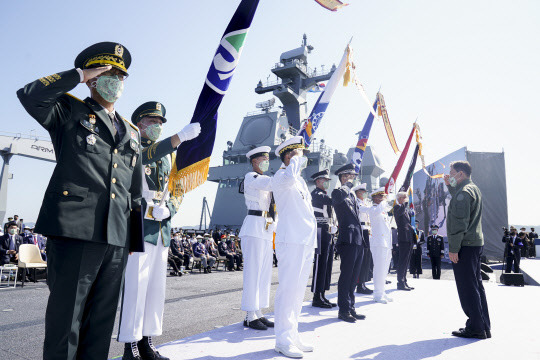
{"x": 435, "y": 250}
{"x": 324, "y": 259}
{"x": 350, "y": 245}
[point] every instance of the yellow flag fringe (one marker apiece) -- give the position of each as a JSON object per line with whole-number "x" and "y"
{"x": 421, "y": 155}
{"x": 187, "y": 179}
{"x": 386, "y": 121}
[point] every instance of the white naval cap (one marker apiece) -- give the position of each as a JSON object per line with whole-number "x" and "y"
{"x": 296, "y": 142}
{"x": 362, "y": 186}
{"x": 379, "y": 191}
{"x": 258, "y": 151}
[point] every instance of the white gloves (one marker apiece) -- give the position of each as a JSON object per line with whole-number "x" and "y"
{"x": 333, "y": 229}
{"x": 161, "y": 212}
{"x": 190, "y": 131}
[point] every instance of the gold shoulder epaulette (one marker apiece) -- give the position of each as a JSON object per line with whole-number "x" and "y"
{"x": 76, "y": 98}
{"x": 130, "y": 124}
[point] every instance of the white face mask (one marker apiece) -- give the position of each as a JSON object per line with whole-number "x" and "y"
{"x": 452, "y": 180}
{"x": 434, "y": 232}
{"x": 109, "y": 87}
{"x": 264, "y": 165}
{"x": 304, "y": 162}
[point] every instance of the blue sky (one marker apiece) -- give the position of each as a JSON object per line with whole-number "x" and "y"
{"x": 469, "y": 70}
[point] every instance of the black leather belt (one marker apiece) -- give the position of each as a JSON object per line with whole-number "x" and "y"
{"x": 257, "y": 213}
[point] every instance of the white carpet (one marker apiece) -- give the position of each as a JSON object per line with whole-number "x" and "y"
{"x": 417, "y": 325}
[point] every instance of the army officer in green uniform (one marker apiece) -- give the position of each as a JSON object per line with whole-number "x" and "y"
{"x": 144, "y": 288}
{"x": 91, "y": 207}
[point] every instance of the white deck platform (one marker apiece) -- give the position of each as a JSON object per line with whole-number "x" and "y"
{"x": 417, "y": 325}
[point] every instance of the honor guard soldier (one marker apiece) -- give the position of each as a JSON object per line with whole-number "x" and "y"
{"x": 257, "y": 233}
{"x": 350, "y": 243}
{"x": 146, "y": 272}
{"x": 532, "y": 237}
{"x": 91, "y": 208}
{"x": 435, "y": 250}
{"x": 366, "y": 272}
{"x": 296, "y": 239}
{"x": 415, "y": 266}
{"x": 326, "y": 228}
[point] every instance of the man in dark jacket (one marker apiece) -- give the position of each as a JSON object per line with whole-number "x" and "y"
{"x": 406, "y": 238}
{"x": 350, "y": 244}
{"x": 91, "y": 208}
{"x": 435, "y": 250}
{"x": 416, "y": 255}
{"x": 9, "y": 244}
{"x": 465, "y": 247}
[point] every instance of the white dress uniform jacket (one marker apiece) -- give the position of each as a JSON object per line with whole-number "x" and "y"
{"x": 381, "y": 234}
{"x": 293, "y": 202}
{"x": 257, "y": 195}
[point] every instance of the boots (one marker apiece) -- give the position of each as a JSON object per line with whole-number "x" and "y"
{"x": 148, "y": 351}
{"x": 131, "y": 352}
{"x": 319, "y": 302}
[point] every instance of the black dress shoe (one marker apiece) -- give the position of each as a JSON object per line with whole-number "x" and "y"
{"x": 266, "y": 322}
{"x": 401, "y": 286}
{"x": 363, "y": 290}
{"x": 388, "y": 282}
{"x": 328, "y": 301}
{"x": 358, "y": 316}
{"x": 209, "y": 269}
{"x": 410, "y": 287}
{"x": 488, "y": 332}
{"x": 466, "y": 333}
{"x": 206, "y": 270}
{"x": 131, "y": 352}
{"x": 148, "y": 351}
{"x": 255, "y": 324}
{"x": 318, "y": 302}
{"x": 231, "y": 269}
{"x": 346, "y": 317}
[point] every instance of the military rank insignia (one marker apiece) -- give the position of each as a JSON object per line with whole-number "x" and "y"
{"x": 147, "y": 170}
{"x": 91, "y": 139}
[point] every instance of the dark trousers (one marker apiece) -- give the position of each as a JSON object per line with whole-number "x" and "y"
{"x": 237, "y": 260}
{"x": 405, "y": 250}
{"x": 514, "y": 259}
{"x": 415, "y": 267}
{"x": 366, "y": 271}
{"x": 84, "y": 280}
{"x": 351, "y": 263}
{"x": 175, "y": 262}
{"x": 322, "y": 266}
{"x": 395, "y": 256}
{"x": 470, "y": 288}
{"x": 436, "y": 267}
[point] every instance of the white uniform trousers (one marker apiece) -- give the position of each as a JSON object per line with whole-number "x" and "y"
{"x": 295, "y": 262}
{"x": 144, "y": 293}
{"x": 258, "y": 259}
{"x": 381, "y": 261}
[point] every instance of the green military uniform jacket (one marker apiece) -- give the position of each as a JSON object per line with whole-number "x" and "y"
{"x": 96, "y": 181}
{"x": 157, "y": 168}
{"x": 464, "y": 221}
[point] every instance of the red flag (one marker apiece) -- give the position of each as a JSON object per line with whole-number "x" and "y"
{"x": 392, "y": 181}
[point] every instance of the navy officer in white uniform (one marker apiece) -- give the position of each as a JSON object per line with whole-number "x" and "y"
{"x": 296, "y": 239}
{"x": 257, "y": 233}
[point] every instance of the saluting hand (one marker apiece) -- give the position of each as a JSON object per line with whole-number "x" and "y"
{"x": 94, "y": 72}
{"x": 447, "y": 179}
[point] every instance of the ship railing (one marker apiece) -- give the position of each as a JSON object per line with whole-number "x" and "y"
{"x": 321, "y": 147}
{"x": 260, "y": 112}
{"x": 306, "y": 69}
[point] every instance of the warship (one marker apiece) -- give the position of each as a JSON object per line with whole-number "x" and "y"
{"x": 269, "y": 126}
